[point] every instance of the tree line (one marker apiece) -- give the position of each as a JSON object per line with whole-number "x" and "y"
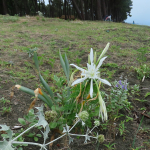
{"x": 82, "y": 9}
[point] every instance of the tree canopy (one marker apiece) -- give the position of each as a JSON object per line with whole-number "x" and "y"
{"x": 82, "y": 9}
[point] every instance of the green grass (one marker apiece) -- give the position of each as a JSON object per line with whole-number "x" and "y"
{"x": 75, "y": 38}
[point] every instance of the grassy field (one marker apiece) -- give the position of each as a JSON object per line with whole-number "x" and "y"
{"x": 128, "y": 58}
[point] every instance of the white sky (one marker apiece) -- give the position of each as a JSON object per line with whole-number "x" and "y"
{"x": 140, "y": 12}
{"x": 46, "y": 2}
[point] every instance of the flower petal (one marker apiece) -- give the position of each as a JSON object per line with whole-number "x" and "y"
{"x": 78, "y": 81}
{"x": 91, "y": 55}
{"x": 91, "y": 89}
{"x": 78, "y": 67}
{"x": 104, "y": 81}
{"x": 100, "y": 62}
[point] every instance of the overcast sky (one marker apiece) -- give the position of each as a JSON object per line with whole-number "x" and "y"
{"x": 140, "y": 12}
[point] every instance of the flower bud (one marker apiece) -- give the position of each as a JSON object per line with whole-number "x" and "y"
{"x": 95, "y": 56}
{"x": 100, "y": 138}
{"x": 89, "y": 61}
{"x": 96, "y": 123}
{"x": 50, "y": 115}
{"x": 84, "y": 115}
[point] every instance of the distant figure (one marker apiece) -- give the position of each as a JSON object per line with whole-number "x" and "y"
{"x": 108, "y": 18}
{"x": 133, "y": 22}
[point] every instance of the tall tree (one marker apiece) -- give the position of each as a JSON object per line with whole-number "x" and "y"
{"x": 4, "y": 7}
{"x": 99, "y": 14}
{"x": 77, "y": 9}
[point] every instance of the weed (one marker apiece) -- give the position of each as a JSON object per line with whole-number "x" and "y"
{"x": 43, "y": 19}
{"x": 5, "y": 108}
{"x": 10, "y": 18}
{"x": 31, "y": 51}
{"x": 111, "y": 65}
{"x": 110, "y": 146}
{"x": 37, "y": 18}
{"x": 143, "y": 72}
{"x": 141, "y": 54}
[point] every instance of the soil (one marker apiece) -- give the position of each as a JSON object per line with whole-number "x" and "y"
{"x": 20, "y": 102}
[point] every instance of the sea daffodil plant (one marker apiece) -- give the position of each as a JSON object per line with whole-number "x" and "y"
{"x": 92, "y": 72}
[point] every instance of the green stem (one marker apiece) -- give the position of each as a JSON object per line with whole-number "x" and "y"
{"x": 137, "y": 131}
{"x": 97, "y": 88}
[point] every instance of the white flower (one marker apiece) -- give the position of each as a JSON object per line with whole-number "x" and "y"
{"x": 102, "y": 111}
{"x": 92, "y": 73}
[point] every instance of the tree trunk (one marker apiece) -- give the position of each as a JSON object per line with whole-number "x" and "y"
{"x": 49, "y": 8}
{"x": 92, "y": 14}
{"x": 104, "y": 8}
{"x": 85, "y": 9}
{"x": 65, "y": 10}
{"x": 99, "y": 14}
{"x": 16, "y": 7}
{"x": 77, "y": 9}
{"x": 27, "y": 10}
{"x": 4, "y": 7}
{"x": 82, "y": 9}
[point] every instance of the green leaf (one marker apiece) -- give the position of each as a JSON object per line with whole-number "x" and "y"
{"x": 63, "y": 64}
{"x": 46, "y": 86}
{"x": 61, "y": 127}
{"x": 38, "y": 135}
{"x": 31, "y": 135}
{"x": 67, "y": 67}
{"x": 36, "y": 61}
{"x": 48, "y": 100}
{"x": 31, "y": 92}
{"x": 53, "y": 124}
{"x": 57, "y": 108}
{"x": 147, "y": 94}
{"x": 36, "y": 139}
{"x": 22, "y": 121}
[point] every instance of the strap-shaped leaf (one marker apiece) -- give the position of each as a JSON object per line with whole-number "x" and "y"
{"x": 46, "y": 86}
{"x": 36, "y": 61}
{"x": 49, "y": 101}
{"x": 31, "y": 92}
{"x": 67, "y": 67}
{"x": 63, "y": 63}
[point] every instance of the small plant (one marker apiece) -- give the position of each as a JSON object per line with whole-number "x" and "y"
{"x": 143, "y": 72}
{"x": 31, "y": 51}
{"x": 43, "y": 19}
{"x": 112, "y": 65}
{"x": 135, "y": 89}
{"x": 8, "y": 18}
{"x": 110, "y": 146}
{"x": 122, "y": 128}
{"x": 78, "y": 60}
{"x": 141, "y": 54}
{"x": 37, "y": 18}
{"x": 117, "y": 99}
{"x": 51, "y": 61}
{"x": 5, "y": 108}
